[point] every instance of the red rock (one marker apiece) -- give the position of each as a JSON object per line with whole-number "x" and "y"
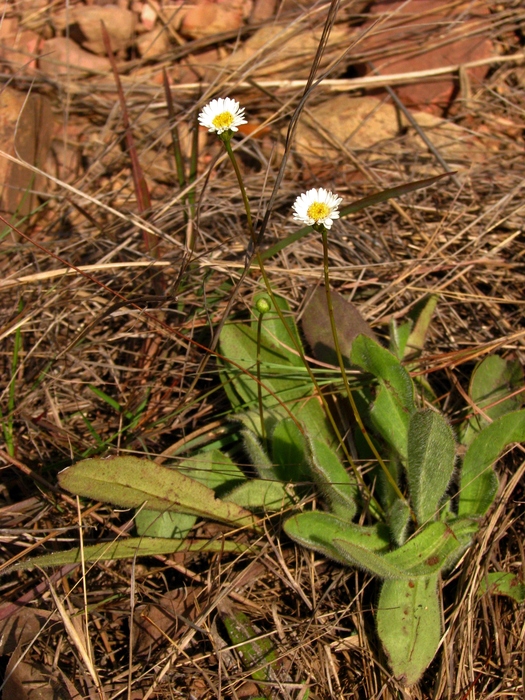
{"x": 424, "y": 35}
{"x": 18, "y": 47}
{"x": 26, "y": 124}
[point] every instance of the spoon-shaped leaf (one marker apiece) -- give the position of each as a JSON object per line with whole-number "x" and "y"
{"x": 431, "y": 456}
{"x": 409, "y": 625}
{"x": 491, "y": 381}
{"x": 332, "y": 479}
{"x": 345, "y": 542}
{"x": 130, "y": 482}
{"x": 427, "y": 552}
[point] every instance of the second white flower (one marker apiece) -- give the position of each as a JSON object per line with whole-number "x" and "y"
{"x": 317, "y": 206}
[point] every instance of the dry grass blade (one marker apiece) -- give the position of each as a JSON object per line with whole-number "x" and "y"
{"x": 81, "y": 642}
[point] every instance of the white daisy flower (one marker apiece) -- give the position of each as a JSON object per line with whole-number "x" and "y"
{"x": 223, "y": 114}
{"x": 317, "y": 206}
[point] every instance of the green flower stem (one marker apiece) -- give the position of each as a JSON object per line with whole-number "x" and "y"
{"x": 259, "y": 383}
{"x": 225, "y": 138}
{"x": 324, "y": 233}
{"x": 233, "y": 159}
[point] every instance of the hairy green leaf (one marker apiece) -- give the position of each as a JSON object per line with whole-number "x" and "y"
{"x": 320, "y": 531}
{"x": 409, "y": 625}
{"x": 354, "y": 554}
{"x": 288, "y": 451}
{"x": 426, "y": 552}
{"x": 492, "y": 380}
{"x": 332, "y": 479}
{"x": 128, "y": 549}
{"x": 479, "y": 483}
{"x": 152, "y": 523}
{"x": 502, "y": 583}
{"x": 399, "y": 337}
{"x": 394, "y": 402}
{"x": 431, "y": 457}
{"x": 398, "y": 520}
{"x": 286, "y": 387}
{"x": 422, "y": 315}
{"x": 261, "y": 494}
{"x": 275, "y": 332}
{"x": 258, "y": 456}
{"x": 130, "y": 482}
{"x": 214, "y": 469}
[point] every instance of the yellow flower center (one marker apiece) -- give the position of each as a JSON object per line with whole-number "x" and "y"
{"x": 318, "y": 211}
{"x": 223, "y": 120}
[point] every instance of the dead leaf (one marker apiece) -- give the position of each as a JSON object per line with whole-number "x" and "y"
{"x": 255, "y": 130}
{"x": 31, "y": 13}
{"x": 318, "y": 330}
{"x": 26, "y": 124}
{"x": 158, "y": 166}
{"x": 62, "y": 56}
{"x": 156, "y": 620}
{"x": 195, "y": 66}
{"x": 425, "y": 34}
{"x": 356, "y": 122}
{"x": 148, "y": 15}
{"x": 262, "y": 10}
{"x": 172, "y": 15}
{"x": 454, "y": 143}
{"x": 27, "y": 680}
{"x": 18, "y": 47}
{"x": 65, "y": 158}
{"x": 248, "y": 689}
{"x": 21, "y": 628}
{"x": 84, "y": 26}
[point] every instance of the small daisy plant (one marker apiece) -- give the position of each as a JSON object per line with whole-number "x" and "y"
{"x": 426, "y": 499}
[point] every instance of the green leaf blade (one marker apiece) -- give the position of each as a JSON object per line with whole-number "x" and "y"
{"x": 128, "y": 549}
{"x": 409, "y": 625}
{"x": 502, "y": 583}
{"x": 152, "y": 523}
{"x": 289, "y": 452}
{"x": 131, "y": 482}
{"x": 345, "y": 542}
{"x": 431, "y": 457}
{"x": 394, "y": 402}
{"x": 332, "y": 479}
{"x": 261, "y": 495}
{"x": 493, "y": 380}
{"x": 427, "y": 552}
{"x": 479, "y": 483}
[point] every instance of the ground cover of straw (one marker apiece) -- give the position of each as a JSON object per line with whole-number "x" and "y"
{"x": 122, "y": 329}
